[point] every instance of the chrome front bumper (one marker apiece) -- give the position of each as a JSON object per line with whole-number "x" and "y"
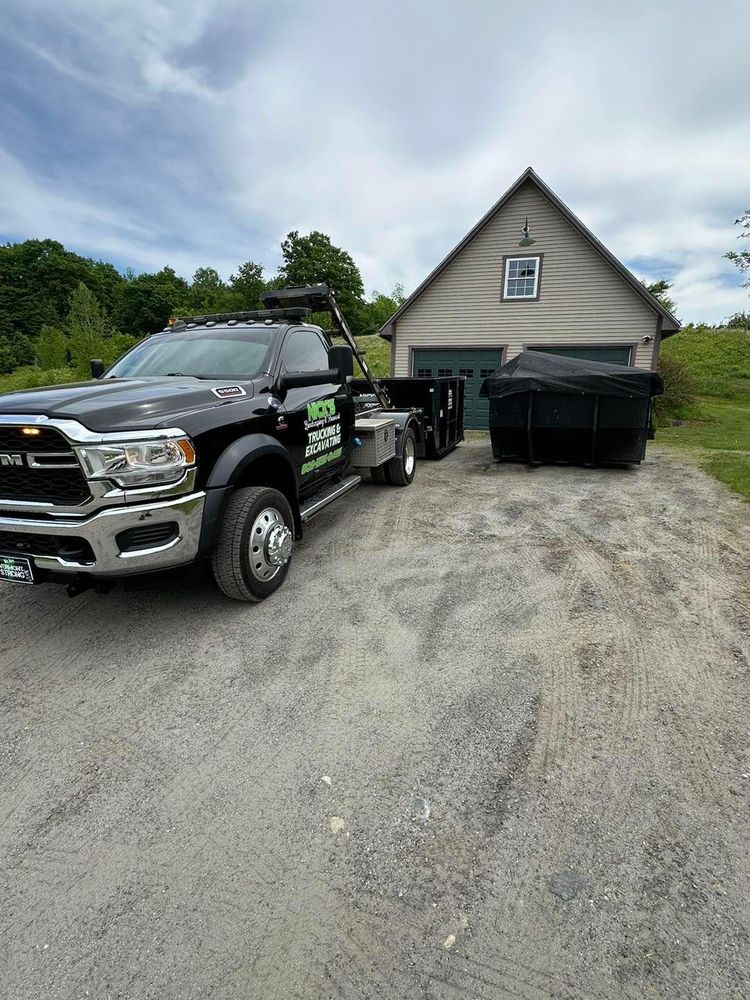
{"x": 101, "y": 528}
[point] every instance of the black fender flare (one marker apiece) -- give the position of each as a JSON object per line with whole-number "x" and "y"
{"x": 226, "y": 473}
{"x": 404, "y": 419}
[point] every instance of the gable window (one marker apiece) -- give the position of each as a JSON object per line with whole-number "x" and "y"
{"x": 521, "y": 279}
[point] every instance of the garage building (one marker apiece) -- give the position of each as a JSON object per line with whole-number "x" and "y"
{"x": 529, "y": 276}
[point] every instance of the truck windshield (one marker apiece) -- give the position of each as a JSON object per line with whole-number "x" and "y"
{"x": 201, "y": 353}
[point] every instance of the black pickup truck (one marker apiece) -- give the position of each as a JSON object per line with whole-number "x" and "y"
{"x": 215, "y": 439}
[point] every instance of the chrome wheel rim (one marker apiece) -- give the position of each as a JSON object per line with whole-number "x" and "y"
{"x": 270, "y": 545}
{"x": 410, "y": 456}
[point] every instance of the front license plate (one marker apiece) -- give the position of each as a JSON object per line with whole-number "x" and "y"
{"x": 16, "y": 569}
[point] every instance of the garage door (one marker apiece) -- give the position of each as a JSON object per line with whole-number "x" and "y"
{"x": 612, "y": 355}
{"x": 475, "y": 366}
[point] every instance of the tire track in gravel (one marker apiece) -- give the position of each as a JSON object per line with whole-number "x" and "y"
{"x": 600, "y": 578}
{"x": 598, "y": 604}
{"x": 533, "y": 983}
{"x": 617, "y": 624}
{"x": 559, "y": 707}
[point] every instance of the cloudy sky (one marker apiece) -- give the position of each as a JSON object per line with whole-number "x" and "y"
{"x": 199, "y": 132}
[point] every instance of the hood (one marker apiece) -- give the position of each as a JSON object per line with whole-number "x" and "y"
{"x": 124, "y": 404}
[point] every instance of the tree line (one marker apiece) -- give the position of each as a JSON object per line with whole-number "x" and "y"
{"x": 59, "y": 309}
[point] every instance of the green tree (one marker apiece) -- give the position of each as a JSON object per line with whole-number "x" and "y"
{"x": 149, "y": 300}
{"x": 51, "y": 348}
{"x": 309, "y": 260}
{"x": 380, "y": 308}
{"x": 208, "y": 293}
{"x": 90, "y": 329}
{"x": 248, "y": 285}
{"x": 741, "y": 258}
{"x": 106, "y": 282}
{"x": 739, "y": 321}
{"x": 312, "y": 259}
{"x": 16, "y": 349}
{"x": 37, "y": 278}
{"x": 660, "y": 290}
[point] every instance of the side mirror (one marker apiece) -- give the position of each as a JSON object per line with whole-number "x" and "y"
{"x": 97, "y": 368}
{"x": 341, "y": 357}
{"x": 299, "y": 380}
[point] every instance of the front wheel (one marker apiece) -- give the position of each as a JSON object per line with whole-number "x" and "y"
{"x": 256, "y": 538}
{"x": 401, "y": 468}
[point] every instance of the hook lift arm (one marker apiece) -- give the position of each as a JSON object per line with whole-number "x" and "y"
{"x": 321, "y": 298}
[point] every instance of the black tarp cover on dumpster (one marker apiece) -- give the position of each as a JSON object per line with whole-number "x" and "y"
{"x": 536, "y": 371}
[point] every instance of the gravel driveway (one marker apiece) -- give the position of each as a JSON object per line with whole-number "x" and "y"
{"x": 489, "y": 741}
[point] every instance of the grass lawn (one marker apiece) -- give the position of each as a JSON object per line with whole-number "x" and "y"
{"x": 720, "y": 440}
{"x": 377, "y": 352}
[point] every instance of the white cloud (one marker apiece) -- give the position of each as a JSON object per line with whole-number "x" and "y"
{"x": 41, "y": 210}
{"x": 38, "y": 212}
{"x": 392, "y": 127}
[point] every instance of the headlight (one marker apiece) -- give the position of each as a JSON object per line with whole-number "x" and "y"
{"x": 142, "y": 463}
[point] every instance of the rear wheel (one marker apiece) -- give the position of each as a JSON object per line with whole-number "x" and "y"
{"x": 401, "y": 468}
{"x": 256, "y": 538}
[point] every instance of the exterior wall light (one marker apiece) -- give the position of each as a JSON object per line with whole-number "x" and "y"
{"x": 526, "y": 240}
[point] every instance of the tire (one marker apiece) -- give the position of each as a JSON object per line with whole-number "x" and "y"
{"x": 401, "y": 468}
{"x": 254, "y": 549}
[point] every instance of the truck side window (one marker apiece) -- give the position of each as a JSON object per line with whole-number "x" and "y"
{"x": 304, "y": 352}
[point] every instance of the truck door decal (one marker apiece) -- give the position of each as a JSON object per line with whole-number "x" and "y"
{"x": 323, "y": 429}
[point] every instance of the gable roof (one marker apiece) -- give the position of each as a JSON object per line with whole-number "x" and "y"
{"x": 670, "y": 325}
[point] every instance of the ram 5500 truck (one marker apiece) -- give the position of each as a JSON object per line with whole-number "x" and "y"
{"x": 215, "y": 439}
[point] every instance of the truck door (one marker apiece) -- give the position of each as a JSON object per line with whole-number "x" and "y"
{"x": 320, "y": 418}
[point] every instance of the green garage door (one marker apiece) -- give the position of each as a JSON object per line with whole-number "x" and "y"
{"x": 612, "y": 355}
{"x": 475, "y": 366}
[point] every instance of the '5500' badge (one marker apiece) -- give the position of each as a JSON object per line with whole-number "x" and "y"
{"x": 229, "y": 391}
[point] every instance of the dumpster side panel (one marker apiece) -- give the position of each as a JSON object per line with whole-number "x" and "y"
{"x": 623, "y": 429}
{"x": 509, "y": 427}
{"x": 583, "y": 429}
{"x": 442, "y": 402}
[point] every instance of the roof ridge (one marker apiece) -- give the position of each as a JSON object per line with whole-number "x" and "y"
{"x": 529, "y": 174}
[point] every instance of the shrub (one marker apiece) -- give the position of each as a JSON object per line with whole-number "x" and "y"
{"x": 34, "y": 378}
{"x": 680, "y": 389}
{"x": 51, "y": 348}
{"x": 90, "y": 329}
{"x": 739, "y": 321}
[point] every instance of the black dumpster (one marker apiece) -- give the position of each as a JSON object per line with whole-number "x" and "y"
{"x": 442, "y": 400}
{"x": 550, "y": 408}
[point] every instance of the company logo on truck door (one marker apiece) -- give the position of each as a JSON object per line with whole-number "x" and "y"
{"x": 323, "y": 426}
{"x": 320, "y": 409}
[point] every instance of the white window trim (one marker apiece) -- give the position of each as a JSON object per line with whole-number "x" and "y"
{"x": 506, "y": 277}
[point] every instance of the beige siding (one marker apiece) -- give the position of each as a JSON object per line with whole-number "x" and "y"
{"x": 582, "y": 301}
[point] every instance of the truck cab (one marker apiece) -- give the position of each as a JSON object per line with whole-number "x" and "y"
{"x": 215, "y": 439}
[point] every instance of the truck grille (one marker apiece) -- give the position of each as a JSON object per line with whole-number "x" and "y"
{"x": 22, "y": 481}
